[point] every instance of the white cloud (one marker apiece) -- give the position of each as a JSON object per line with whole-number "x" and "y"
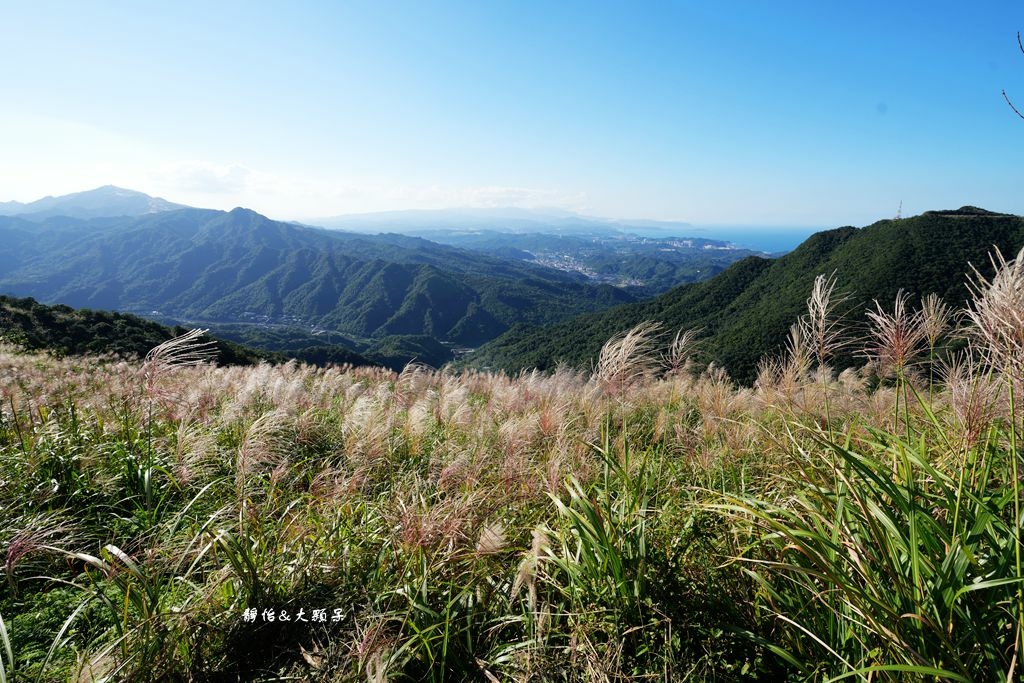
{"x": 206, "y": 178}
{"x": 49, "y": 156}
{"x": 352, "y": 198}
{"x": 206, "y": 183}
{"x": 520, "y": 197}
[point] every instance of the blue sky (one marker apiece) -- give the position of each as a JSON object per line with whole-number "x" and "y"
{"x": 786, "y": 113}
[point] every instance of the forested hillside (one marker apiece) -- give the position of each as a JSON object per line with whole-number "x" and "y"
{"x": 745, "y": 312}
{"x": 69, "y": 332}
{"x": 201, "y": 265}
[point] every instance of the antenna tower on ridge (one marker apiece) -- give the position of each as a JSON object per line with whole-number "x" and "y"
{"x": 899, "y": 211}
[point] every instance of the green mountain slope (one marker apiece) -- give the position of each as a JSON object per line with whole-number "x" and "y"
{"x": 239, "y": 266}
{"x": 66, "y": 331}
{"x": 393, "y": 351}
{"x": 746, "y": 310}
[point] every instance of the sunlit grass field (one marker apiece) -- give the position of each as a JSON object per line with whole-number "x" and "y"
{"x": 169, "y": 520}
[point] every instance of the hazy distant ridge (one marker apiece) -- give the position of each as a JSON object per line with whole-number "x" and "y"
{"x": 103, "y": 201}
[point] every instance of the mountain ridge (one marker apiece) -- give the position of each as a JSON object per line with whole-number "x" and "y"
{"x": 746, "y": 310}
{"x": 104, "y": 201}
{"x": 201, "y": 264}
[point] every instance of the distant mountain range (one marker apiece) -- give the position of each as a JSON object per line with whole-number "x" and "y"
{"x": 554, "y": 222}
{"x": 507, "y": 220}
{"x": 205, "y": 266}
{"x": 526, "y": 298}
{"x": 104, "y": 201}
{"x": 292, "y": 287}
{"x": 746, "y": 310}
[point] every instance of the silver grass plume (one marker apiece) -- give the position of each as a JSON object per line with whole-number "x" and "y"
{"x": 627, "y": 357}
{"x": 997, "y": 311}
{"x": 820, "y": 328}
{"x": 185, "y": 350}
{"x": 936, "y": 316}
{"x": 897, "y": 337}
{"x": 678, "y": 355}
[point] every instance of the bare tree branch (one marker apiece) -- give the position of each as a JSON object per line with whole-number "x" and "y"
{"x": 1005, "y": 96}
{"x": 1015, "y": 110}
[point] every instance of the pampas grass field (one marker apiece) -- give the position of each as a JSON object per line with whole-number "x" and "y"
{"x": 169, "y": 520}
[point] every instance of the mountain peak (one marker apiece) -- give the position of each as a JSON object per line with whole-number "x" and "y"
{"x": 104, "y": 201}
{"x": 115, "y": 190}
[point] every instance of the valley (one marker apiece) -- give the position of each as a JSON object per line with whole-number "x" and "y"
{"x": 285, "y": 286}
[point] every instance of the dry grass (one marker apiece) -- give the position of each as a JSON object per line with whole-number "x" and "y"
{"x": 478, "y": 526}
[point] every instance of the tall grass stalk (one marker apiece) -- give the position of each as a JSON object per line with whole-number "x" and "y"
{"x": 875, "y": 577}
{"x": 896, "y": 339}
{"x": 997, "y": 312}
{"x": 936, "y": 316}
{"x": 821, "y": 330}
{"x": 7, "y": 670}
{"x": 599, "y": 556}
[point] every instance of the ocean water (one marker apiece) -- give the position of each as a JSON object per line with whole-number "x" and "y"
{"x": 770, "y": 239}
